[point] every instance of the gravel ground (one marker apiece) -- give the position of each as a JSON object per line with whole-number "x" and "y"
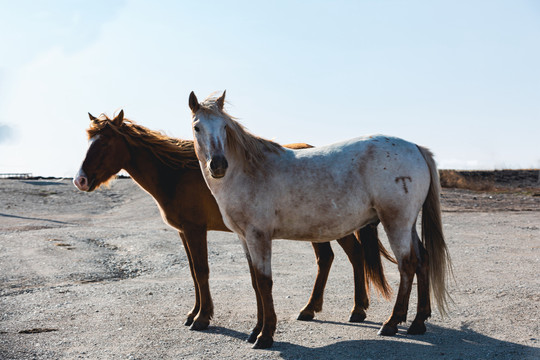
{"x": 100, "y": 276}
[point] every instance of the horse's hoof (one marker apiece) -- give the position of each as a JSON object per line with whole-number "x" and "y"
{"x": 263, "y": 343}
{"x": 189, "y": 320}
{"x": 305, "y": 316}
{"x": 199, "y": 325}
{"x": 387, "y": 330}
{"x": 253, "y": 337}
{"x": 417, "y": 328}
{"x": 357, "y": 317}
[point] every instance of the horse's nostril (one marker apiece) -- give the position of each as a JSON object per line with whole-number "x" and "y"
{"x": 218, "y": 162}
{"x": 218, "y": 166}
{"x": 83, "y": 181}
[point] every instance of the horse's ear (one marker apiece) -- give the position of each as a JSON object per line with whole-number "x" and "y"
{"x": 221, "y": 100}
{"x": 193, "y": 103}
{"x": 92, "y": 117}
{"x": 119, "y": 118}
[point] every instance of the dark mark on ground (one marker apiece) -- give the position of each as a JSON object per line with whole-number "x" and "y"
{"x": 37, "y": 331}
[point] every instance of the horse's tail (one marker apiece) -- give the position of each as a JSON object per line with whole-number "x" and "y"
{"x": 373, "y": 268}
{"x": 433, "y": 238}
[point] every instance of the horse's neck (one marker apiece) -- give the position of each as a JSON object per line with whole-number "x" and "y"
{"x": 147, "y": 170}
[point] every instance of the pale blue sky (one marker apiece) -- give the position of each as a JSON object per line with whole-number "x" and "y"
{"x": 460, "y": 77}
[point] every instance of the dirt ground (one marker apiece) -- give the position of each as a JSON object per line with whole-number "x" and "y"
{"x": 100, "y": 276}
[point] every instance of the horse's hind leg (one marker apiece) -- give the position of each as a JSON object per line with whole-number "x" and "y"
{"x": 355, "y": 253}
{"x": 325, "y": 256}
{"x": 424, "y": 307}
{"x": 401, "y": 244}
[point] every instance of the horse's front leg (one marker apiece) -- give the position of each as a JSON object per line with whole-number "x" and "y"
{"x": 196, "y": 246}
{"x": 259, "y": 246}
{"x": 195, "y": 310}
{"x": 257, "y": 329}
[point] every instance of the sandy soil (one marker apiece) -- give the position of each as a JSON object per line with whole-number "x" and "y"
{"x": 100, "y": 276}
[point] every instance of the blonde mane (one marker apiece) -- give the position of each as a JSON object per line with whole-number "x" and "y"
{"x": 175, "y": 153}
{"x": 251, "y": 149}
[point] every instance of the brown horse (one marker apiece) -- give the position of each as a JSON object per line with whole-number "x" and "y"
{"x": 168, "y": 169}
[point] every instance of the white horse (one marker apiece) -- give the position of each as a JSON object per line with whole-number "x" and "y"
{"x": 265, "y": 192}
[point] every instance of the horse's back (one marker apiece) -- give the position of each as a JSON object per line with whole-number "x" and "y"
{"x": 376, "y": 159}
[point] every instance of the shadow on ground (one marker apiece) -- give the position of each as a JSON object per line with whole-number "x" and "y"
{"x": 439, "y": 342}
{"x": 43, "y": 183}
{"x": 37, "y": 219}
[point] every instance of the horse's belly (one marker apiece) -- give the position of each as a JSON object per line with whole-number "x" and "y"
{"x": 321, "y": 228}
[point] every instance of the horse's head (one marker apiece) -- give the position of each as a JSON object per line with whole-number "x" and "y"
{"x": 210, "y": 134}
{"x": 107, "y": 153}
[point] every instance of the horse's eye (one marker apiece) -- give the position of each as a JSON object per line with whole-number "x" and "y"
{"x": 196, "y": 128}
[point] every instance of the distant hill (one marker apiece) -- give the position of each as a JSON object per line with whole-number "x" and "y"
{"x": 485, "y": 180}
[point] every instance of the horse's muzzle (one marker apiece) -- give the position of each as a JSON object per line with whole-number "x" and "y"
{"x": 82, "y": 182}
{"x": 218, "y": 166}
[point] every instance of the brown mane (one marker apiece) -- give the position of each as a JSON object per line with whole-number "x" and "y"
{"x": 251, "y": 149}
{"x": 172, "y": 152}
